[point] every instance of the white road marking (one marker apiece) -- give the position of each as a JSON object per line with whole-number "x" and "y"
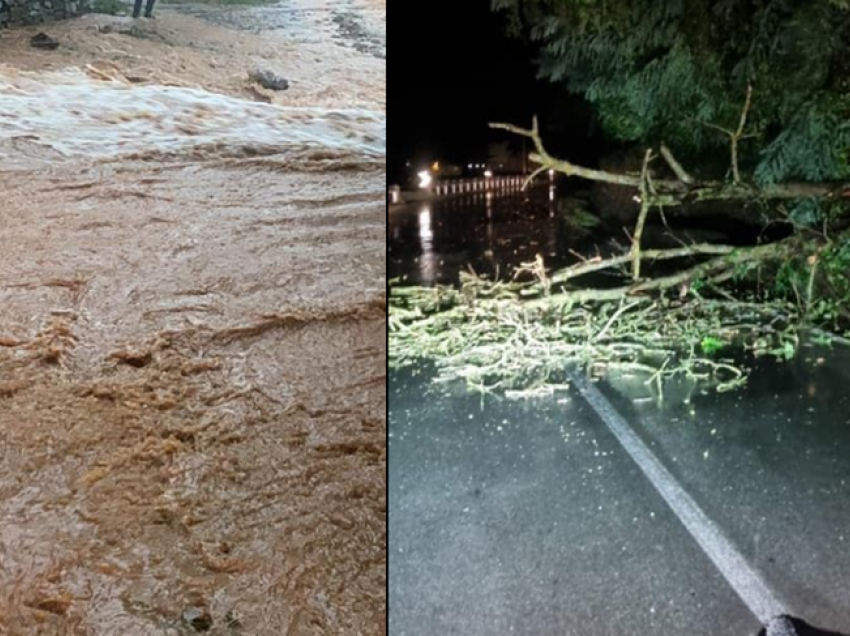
{"x": 747, "y": 583}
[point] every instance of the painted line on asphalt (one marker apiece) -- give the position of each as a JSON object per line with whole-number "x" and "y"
{"x": 746, "y": 581}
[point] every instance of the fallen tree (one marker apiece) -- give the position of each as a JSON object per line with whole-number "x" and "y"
{"x": 518, "y": 336}
{"x": 498, "y": 344}
{"x": 685, "y": 188}
{"x": 760, "y": 87}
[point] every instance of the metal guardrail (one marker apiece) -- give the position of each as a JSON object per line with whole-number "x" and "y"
{"x": 478, "y": 184}
{"x": 502, "y": 184}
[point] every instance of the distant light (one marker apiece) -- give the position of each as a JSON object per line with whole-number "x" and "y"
{"x": 551, "y": 173}
{"x": 435, "y": 166}
{"x": 488, "y": 174}
{"x": 469, "y": 167}
{"x": 425, "y": 179}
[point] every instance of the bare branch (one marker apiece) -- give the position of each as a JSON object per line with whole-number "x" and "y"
{"x": 673, "y": 192}
{"x": 523, "y": 132}
{"x": 532, "y": 176}
{"x": 720, "y": 265}
{"x": 677, "y": 168}
{"x": 725, "y": 131}
{"x": 542, "y": 157}
{"x": 596, "y": 264}
{"x": 645, "y": 205}
{"x": 738, "y": 134}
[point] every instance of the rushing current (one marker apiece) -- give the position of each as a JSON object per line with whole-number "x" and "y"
{"x": 192, "y": 362}
{"x": 111, "y": 117}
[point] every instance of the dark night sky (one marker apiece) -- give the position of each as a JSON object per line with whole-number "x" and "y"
{"x": 454, "y": 70}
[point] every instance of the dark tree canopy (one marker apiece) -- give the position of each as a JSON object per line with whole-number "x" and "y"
{"x": 675, "y": 70}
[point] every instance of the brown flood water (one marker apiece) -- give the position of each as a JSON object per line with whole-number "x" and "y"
{"x": 192, "y": 389}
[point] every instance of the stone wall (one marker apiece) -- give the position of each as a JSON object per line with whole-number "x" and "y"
{"x": 17, "y": 12}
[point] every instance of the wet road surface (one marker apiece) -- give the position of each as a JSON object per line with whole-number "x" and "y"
{"x": 770, "y": 465}
{"x": 530, "y": 518}
{"x": 430, "y": 242}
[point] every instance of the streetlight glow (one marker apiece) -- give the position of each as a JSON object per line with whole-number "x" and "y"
{"x": 425, "y": 179}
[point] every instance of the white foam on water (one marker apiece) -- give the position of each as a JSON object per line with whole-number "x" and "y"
{"x": 76, "y": 115}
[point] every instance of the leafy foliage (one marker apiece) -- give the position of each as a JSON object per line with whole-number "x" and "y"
{"x": 668, "y": 69}
{"x": 710, "y": 344}
{"x": 833, "y": 308}
{"x": 826, "y": 270}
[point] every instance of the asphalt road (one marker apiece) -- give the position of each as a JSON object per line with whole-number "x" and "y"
{"x": 531, "y": 518}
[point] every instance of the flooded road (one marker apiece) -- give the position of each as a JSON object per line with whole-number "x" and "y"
{"x": 431, "y": 242}
{"x": 192, "y": 361}
{"x": 533, "y": 517}
{"x": 494, "y": 233}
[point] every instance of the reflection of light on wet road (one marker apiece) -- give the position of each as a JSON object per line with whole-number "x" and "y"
{"x": 426, "y": 236}
{"x": 428, "y": 259}
{"x": 499, "y": 232}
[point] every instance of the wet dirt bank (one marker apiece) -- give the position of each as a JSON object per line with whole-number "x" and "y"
{"x": 312, "y": 43}
{"x": 192, "y": 362}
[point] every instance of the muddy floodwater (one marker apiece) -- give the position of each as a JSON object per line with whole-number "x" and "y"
{"x": 192, "y": 360}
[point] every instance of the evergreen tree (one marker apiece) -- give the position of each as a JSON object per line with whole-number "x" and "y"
{"x": 674, "y": 70}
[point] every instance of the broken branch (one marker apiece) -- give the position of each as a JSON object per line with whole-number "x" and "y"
{"x": 677, "y": 168}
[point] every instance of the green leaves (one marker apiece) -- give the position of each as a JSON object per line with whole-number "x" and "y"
{"x": 710, "y": 345}
{"x": 806, "y": 212}
{"x": 666, "y": 70}
{"x": 787, "y": 351}
{"x": 813, "y": 145}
